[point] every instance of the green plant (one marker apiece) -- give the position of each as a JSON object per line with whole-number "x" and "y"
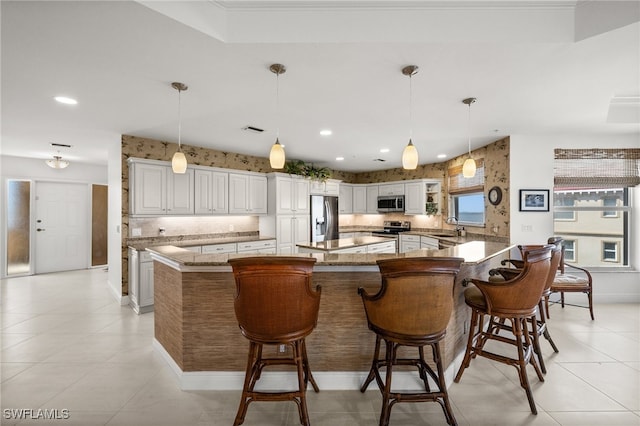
{"x": 431, "y": 208}
{"x": 299, "y": 167}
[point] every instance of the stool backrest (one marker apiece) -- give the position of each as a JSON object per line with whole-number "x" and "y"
{"x": 556, "y": 257}
{"x": 274, "y": 301}
{"x": 520, "y": 295}
{"x": 416, "y": 297}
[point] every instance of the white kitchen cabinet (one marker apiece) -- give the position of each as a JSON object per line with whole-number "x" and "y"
{"x": 140, "y": 281}
{"x": 155, "y": 190}
{"x": 195, "y": 249}
{"x": 247, "y": 193}
{"x": 292, "y": 230}
{"x": 327, "y": 187}
{"x": 419, "y": 193}
{"x": 429, "y": 243}
{"x": 359, "y": 199}
{"x": 391, "y": 189}
{"x": 219, "y": 248}
{"x": 288, "y": 194}
{"x": 372, "y": 199}
{"x": 359, "y": 249}
{"x": 386, "y": 247}
{"x": 259, "y": 247}
{"x": 345, "y": 198}
{"x": 211, "y": 192}
{"x": 409, "y": 242}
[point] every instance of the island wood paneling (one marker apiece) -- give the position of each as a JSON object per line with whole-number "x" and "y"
{"x": 195, "y": 321}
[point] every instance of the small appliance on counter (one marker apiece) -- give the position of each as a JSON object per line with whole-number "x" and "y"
{"x": 324, "y": 218}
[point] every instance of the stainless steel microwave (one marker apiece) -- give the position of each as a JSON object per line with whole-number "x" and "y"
{"x": 391, "y": 203}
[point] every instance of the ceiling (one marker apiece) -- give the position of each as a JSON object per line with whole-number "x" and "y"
{"x": 544, "y": 67}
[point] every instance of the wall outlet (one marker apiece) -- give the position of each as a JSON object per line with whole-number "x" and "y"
{"x": 527, "y": 228}
{"x": 282, "y": 349}
{"x": 136, "y": 232}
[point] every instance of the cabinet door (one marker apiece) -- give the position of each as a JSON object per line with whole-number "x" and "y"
{"x": 133, "y": 279}
{"x": 301, "y": 194}
{"x": 149, "y": 190}
{"x": 345, "y": 199}
{"x": 220, "y": 196}
{"x": 146, "y": 284}
{"x": 409, "y": 246}
{"x": 414, "y": 201}
{"x": 284, "y": 229}
{"x": 257, "y": 194}
{"x": 301, "y": 230}
{"x": 180, "y": 192}
{"x": 203, "y": 182}
{"x": 360, "y": 199}
{"x": 391, "y": 189}
{"x": 372, "y": 199}
{"x": 285, "y": 193}
{"x": 238, "y": 193}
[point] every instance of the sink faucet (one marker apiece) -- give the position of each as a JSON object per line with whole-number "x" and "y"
{"x": 452, "y": 220}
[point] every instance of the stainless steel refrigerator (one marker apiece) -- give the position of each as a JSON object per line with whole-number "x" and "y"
{"x": 324, "y": 218}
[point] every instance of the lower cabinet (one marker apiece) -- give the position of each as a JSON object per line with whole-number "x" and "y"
{"x": 388, "y": 247}
{"x": 409, "y": 243}
{"x": 140, "y": 281}
{"x": 259, "y": 247}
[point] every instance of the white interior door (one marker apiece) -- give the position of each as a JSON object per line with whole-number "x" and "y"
{"x": 62, "y": 227}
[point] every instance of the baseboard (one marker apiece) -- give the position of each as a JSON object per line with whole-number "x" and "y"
{"x": 117, "y": 294}
{"x": 326, "y": 380}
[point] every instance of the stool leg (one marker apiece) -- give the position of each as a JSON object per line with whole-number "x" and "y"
{"x": 302, "y": 385}
{"x": 446, "y": 406}
{"x": 374, "y": 366}
{"x": 307, "y": 370}
{"x": 543, "y": 325}
{"x": 421, "y": 369}
{"x": 467, "y": 354}
{"x": 386, "y": 391}
{"x": 518, "y": 332}
{"x": 248, "y": 386}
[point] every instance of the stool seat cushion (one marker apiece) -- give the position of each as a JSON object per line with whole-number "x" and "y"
{"x": 475, "y": 299}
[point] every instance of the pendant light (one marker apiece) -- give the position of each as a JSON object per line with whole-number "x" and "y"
{"x": 469, "y": 166}
{"x": 276, "y": 155}
{"x": 410, "y": 153}
{"x": 179, "y": 161}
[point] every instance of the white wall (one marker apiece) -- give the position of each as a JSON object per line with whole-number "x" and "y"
{"x": 114, "y": 233}
{"x": 531, "y": 161}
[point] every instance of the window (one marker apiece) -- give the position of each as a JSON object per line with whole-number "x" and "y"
{"x": 569, "y": 250}
{"x": 593, "y": 204}
{"x": 610, "y": 201}
{"x": 469, "y": 208}
{"x": 466, "y": 195}
{"x": 609, "y": 251}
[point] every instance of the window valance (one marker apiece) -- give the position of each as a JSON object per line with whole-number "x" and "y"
{"x": 596, "y": 167}
{"x": 458, "y": 184}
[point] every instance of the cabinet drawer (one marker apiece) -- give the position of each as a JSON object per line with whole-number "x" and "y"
{"x": 410, "y": 238}
{"x": 389, "y": 247}
{"x": 195, "y": 249}
{"x": 219, "y": 248}
{"x": 428, "y": 242}
{"x": 256, "y": 245}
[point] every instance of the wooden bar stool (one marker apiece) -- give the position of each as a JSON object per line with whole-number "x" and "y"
{"x": 516, "y": 301}
{"x": 412, "y": 308}
{"x": 540, "y": 325}
{"x": 275, "y": 305}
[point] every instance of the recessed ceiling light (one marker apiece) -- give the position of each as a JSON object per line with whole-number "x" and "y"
{"x": 442, "y": 155}
{"x": 326, "y": 132}
{"x": 65, "y": 100}
{"x": 339, "y": 158}
{"x": 383, "y": 150}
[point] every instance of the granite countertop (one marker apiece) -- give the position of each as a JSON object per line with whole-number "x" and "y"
{"x": 343, "y": 243}
{"x": 474, "y": 252}
{"x": 144, "y": 243}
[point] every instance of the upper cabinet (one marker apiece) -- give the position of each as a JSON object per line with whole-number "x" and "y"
{"x": 328, "y": 187}
{"x": 345, "y": 199}
{"x": 247, "y": 193}
{"x": 211, "y": 191}
{"x": 391, "y": 189}
{"x": 289, "y": 194}
{"x": 372, "y": 199}
{"x": 422, "y": 197}
{"x": 359, "y": 198}
{"x": 155, "y": 190}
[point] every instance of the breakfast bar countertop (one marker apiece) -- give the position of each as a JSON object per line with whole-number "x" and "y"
{"x": 474, "y": 252}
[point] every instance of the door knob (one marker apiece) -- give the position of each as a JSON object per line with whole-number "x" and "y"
{"x": 40, "y": 229}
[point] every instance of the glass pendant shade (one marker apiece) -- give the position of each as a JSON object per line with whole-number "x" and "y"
{"x": 410, "y": 157}
{"x": 57, "y": 163}
{"x": 276, "y": 156}
{"x": 179, "y": 162}
{"x": 469, "y": 168}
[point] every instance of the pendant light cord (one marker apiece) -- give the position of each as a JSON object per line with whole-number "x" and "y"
{"x": 179, "y": 121}
{"x": 277, "y": 105}
{"x": 469, "y": 128}
{"x": 410, "y": 107}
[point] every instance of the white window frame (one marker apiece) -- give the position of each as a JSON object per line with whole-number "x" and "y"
{"x": 453, "y": 203}
{"x": 616, "y": 250}
{"x": 572, "y": 250}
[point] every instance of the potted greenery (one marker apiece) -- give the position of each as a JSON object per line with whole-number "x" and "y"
{"x": 299, "y": 167}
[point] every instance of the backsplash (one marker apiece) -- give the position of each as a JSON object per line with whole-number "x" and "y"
{"x": 192, "y": 225}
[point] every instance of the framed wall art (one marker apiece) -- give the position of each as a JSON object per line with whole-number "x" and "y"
{"x": 534, "y": 200}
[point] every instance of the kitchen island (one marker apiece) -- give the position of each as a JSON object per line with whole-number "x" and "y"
{"x": 365, "y": 244}
{"x": 197, "y": 333}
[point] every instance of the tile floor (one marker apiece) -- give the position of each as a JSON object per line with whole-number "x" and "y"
{"x": 66, "y": 344}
